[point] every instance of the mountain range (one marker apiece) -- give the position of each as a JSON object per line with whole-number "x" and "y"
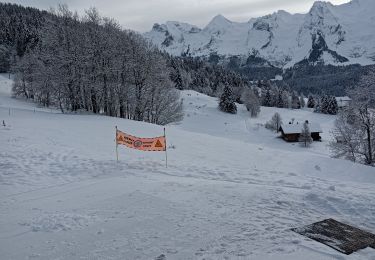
{"x": 327, "y": 34}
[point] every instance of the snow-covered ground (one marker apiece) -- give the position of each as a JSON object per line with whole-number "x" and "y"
{"x": 232, "y": 189}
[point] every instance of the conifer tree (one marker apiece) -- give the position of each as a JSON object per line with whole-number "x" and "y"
{"x": 328, "y": 105}
{"x": 267, "y": 99}
{"x": 279, "y": 101}
{"x": 311, "y": 102}
{"x": 324, "y": 104}
{"x": 332, "y": 106}
{"x": 226, "y": 103}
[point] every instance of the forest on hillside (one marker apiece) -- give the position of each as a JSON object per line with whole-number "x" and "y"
{"x": 91, "y": 63}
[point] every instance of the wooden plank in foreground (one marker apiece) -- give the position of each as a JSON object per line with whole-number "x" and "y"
{"x": 339, "y": 236}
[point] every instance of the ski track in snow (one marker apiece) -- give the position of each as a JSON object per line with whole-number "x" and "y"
{"x": 65, "y": 197}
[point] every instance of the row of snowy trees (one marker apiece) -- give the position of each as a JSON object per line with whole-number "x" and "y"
{"x": 91, "y": 64}
{"x": 354, "y": 129}
{"x": 263, "y": 94}
{"x": 249, "y": 97}
{"x": 198, "y": 74}
{"x": 283, "y": 97}
{"x": 273, "y": 95}
{"x": 324, "y": 104}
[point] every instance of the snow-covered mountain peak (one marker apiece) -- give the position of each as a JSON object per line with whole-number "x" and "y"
{"x": 319, "y": 13}
{"x": 219, "y": 20}
{"x": 321, "y": 4}
{"x": 218, "y": 24}
{"x": 321, "y": 19}
{"x": 282, "y": 14}
{"x": 330, "y": 34}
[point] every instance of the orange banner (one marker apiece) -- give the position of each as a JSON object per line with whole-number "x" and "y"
{"x": 143, "y": 144}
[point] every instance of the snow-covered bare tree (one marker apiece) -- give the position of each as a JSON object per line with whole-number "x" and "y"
{"x": 305, "y": 136}
{"x": 346, "y": 141}
{"x": 275, "y": 122}
{"x": 295, "y": 101}
{"x": 90, "y": 63}
{"x": 355, "y": 127}
{"x": 251, "y": 101}
{"x": 302, "y": 101}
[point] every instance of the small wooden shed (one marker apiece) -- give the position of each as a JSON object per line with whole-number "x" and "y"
{"x": 343, "y": 102}
{"x": 291, "y": 132}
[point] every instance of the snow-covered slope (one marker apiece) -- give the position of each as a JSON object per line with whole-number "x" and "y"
{"x": 232, "y": 189}
{"x": 341, "y": 34}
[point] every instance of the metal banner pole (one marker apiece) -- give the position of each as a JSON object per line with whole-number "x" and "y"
{"x": 166, "y": 155}
{"x": 116, "y": 144}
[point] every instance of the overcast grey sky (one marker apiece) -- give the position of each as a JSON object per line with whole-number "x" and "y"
{"x": 140, "y": 15}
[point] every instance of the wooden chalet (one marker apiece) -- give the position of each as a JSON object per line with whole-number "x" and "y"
{"x": 291, "y": 132}
{"x": 343, "y": 102}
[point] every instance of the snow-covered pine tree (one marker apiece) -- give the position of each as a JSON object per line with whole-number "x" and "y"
{"x": 311, "y": 102}
{"x": 327, "y": 105}
{"x": 267, "y": 99}
{"x": 332, "y": 106}
{"x": 279, "y": 98}
{"x": 324, "y": 104}
{"x": 305, "y": 136}
{"x": 178, "y": 80}
{"x": 226, "y": 102}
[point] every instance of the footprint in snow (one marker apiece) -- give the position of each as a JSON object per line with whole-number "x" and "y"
{"x": 161, "y": 257}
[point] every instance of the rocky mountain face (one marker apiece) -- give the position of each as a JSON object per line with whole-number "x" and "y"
{"x": 327, "y": 34}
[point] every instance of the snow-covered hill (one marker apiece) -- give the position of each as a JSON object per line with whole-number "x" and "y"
{"x": 232, "y": 189}
{"x": 334, "y": 34}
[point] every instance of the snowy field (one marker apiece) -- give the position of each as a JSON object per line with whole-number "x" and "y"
{"x": 232, "y": 189}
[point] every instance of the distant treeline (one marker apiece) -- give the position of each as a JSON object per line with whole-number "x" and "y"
{"x": 19, "y": 32}
{"x": 324, "y": 79}
{"x": 303, "y": 77}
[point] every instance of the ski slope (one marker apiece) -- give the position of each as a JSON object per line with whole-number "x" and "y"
{"x": 232, "y": 189}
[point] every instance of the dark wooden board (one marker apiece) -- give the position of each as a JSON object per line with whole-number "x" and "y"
{"x": 341, "y": 237}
